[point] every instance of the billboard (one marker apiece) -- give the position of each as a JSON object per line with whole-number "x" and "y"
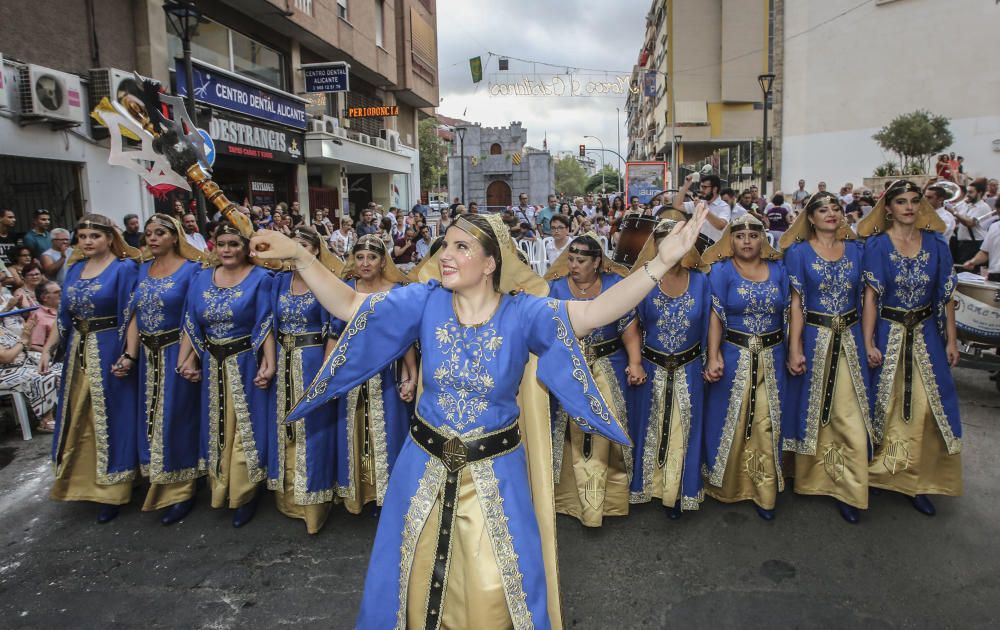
{"x": 645, "y": 180}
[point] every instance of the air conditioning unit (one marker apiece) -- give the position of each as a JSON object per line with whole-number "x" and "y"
{"x": 382, "y": 144}
{"x": 330, "y": 124}
{"x": 104, "y": 82}
{"x": 364, "y": 138}
{"x": 50, "y": 95}
{"x": 391, "y": 137}
{"x": 317, "y": 126}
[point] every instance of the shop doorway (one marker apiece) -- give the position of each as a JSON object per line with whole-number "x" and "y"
{"x": 497, "y": 195}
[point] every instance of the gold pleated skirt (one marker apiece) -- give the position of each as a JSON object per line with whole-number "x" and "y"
{"x": 751, "y": 472}
{"x": 839, "y": 468}
{"x": 231, "y": 484}
{"x": 315, "y": 514}
{"x": 590, "y": 488}
{"x": 667, "y": 479}
{"x": 912, "y": 458}
{"x": 161, "y": 495}
{"x": 474, "y": 596}
{"x": 76, "y": 475}
{"x": 364, "y": 468}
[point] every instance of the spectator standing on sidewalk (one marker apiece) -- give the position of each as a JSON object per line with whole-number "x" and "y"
{"x": 38, "y": 238}
{"x": 132, "y": 235}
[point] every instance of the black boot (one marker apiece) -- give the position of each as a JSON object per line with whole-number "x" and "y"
{"x": 108, "y": 513}
{"x": 848, "y": 512}
{"x": 923, "y": 504}
{"x": 675, "y": 512}
{"x": 177, "y": 512}
{"x": 767, "y": 515}
{"x": 245, "y": 513}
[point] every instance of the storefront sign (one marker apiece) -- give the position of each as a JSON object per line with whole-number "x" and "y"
{"x": 372, "y": 112}
{"x": 225, "y": 90}
{"x": 243, "y": 138}
{"x": 262, "y": 193}
{"x": 327, "y": 77}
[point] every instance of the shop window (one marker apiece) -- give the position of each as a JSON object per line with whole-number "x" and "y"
{"x": 223, "y": 47}
{"x": 496, "y": 149}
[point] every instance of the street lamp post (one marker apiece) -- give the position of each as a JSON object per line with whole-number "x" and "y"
{"x": 184, "y": 17}
{"x": 461, "y": 143}
{"x": 766, "y": 83}
{"x": 602, "y": 160}
{"x": 618, "y": 114}
{"x": 673, "y": 157}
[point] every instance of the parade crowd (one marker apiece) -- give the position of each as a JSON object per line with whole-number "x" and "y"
{"x": 806, "y": 338}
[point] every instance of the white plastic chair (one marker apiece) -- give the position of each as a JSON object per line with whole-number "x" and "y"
{"x": 603, "y": 240}
{"x": 20, "y": 410}
{"x": 540, "y": 261}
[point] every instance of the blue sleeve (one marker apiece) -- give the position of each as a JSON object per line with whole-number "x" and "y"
{"x": 946, "y": 280}
{"x": 65, "y": 320}
{"x": 795, "y": 268}
{"x": 382, "y": 330}
{"x": 718, "y": 283}
{"x": 563, "y": 369}
{"x": 873, "y": 263}
{"x": 704, "y": 306}
{"x": 191, "y": 323}
{"x": 263, "y": 313}
{"x": 127, "y": 277}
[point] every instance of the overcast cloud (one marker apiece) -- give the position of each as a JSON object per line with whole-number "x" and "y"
{"x": 575, "y": 33}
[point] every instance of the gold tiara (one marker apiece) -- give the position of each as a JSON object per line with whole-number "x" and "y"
{"x": 163, "y": 221}
{"x": 91, "y": 225}
{"x": 370, "y": 242}
{"x": 479, "y": 234}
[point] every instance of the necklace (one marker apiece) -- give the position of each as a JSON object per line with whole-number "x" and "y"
{"x": 454, "y": 306}
{"x": 589, "y": 286}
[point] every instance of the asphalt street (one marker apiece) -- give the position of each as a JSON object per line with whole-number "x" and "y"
{"x": 720, "y": 567}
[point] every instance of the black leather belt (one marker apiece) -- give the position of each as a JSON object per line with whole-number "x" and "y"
{"x": 600, "y": 350}
{"x": 839, "y": 324}
{"x": 220, "y": 352}
{"x": 909, "y": 320}
{"x": 291, "y": 341}
{"x": 755, "y": 344}
{"x": 671, "y": 363}
{"x": 154, "y": 345}
{"x": 84, "y": 327}
{"x": 454, "y": 453}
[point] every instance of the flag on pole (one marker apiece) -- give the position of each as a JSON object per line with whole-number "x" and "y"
{"x": 476, "y": 65}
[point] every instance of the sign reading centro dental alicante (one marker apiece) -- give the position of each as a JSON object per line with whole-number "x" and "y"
{"x": 327, "y": 77}
{"x": 243, "y": 138}
{"x": 225, "y": 90}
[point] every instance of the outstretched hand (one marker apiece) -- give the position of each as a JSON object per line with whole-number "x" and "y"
{"x": 680, "y": 240}
{"x": 273, "y": 245}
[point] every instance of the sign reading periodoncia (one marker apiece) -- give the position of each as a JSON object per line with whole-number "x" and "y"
{"x": 225, "y": 90}
{"x": 504, "y": 84}
{"x": 243, "y": 138}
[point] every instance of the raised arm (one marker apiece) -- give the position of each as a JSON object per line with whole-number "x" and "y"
{"x": 332, "y": 292}
{"x": 678, "y": 201}
{"x": 623, "y": 297}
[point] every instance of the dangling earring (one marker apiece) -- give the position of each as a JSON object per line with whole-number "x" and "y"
{"x": 888, "y": 217}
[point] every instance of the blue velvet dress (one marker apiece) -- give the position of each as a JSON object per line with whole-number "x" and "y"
{"x": 671, "y": 326}
{"x": 237, "y": 320}
{"x": 471, "y": 376}
{"x": 94, "y": 448}
{"x": 302, "y": 455}
{"x": 741, "y": 464}
{"x": 825, "y": 414}
{"x": 918, "y": 435}
{"x": 365, "y": 458}
{"x": 592, "y": 474}
{"x": 167, "y": 403}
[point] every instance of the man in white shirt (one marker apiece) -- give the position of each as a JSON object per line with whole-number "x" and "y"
{"x": 194, "y": 238}
{"x": 523, "y": 212}
{"x": 936, "y": 196}
{"x": 800, "y": 196}
{"x": 974, "y": 217}
{"x": 719, "y": 212}
{"x": 588, "y": 205}
{"x": 989, "y": 251}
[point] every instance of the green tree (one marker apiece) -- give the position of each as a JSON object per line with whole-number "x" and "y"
{"x": 570, "y": 177}
{"x": 433, "y": 154}
{"x": 612, "y": 181}
{"x": 915, "y": 137}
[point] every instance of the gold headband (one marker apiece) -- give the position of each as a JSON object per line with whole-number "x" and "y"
{"x": 477, "y": 232}
{"x": 231, "y": 229}
{"x": 306, "y": 234}
{"x": 369, "y": 242}
{"x": 746, "y": 222}
{"x": 90, "y": 225}
{"x": 818, "y": 200}
{"x": 902, "y": 186}
{"x": 575, "y": 248}
{"x": 163, "y": 223}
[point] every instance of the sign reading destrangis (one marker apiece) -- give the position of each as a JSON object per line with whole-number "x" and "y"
{"x": 242, "y": 138}
{"x": 222, "y": 89}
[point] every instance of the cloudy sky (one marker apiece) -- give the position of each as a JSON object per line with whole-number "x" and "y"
{"x": 578, "y": 34}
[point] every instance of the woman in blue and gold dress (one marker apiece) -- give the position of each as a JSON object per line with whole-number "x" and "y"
{"x": 302, "y": 460}
{"x": 592, "y": 474}
{"x": 745, "y": 365}
{"x": 169, "y": 426}
{"x": 94, "y": 449}
{"x": 228, "y": 322}
{"x": 826, "y": 408}
{"x": 911, "y": 343}
{"x": 373, "y": 417}
{"x": 665, "y": 420}
{"x": 467, "y": 533}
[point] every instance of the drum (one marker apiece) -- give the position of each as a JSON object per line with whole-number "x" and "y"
{"x": 977, "y": 312}
{"x": 634, "y": 231}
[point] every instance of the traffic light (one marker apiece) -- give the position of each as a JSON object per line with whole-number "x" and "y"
{"x": 583, "y": 150}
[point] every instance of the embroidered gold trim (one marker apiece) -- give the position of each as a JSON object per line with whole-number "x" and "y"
{"x": 488, "y": 489}
{"x": 421, "y": 504}
{"x": 380, "y": 450}
{"x": 817, "y": 380}
{"x": 277, "y": 484}
{"x": 350, "y": 491}
{"x": 604, "y": 368}
{"x": 244, "y": 427}
{"x": 70, "y": 370}
{"x": 99, "y": 409}
{"x": 338, "y": 357}
{"x": 736, "y": 394}
{"x": 773, "y": 411}
{"x": 155, "y": 470}
{"x": 926, "y": 370}
{"x": 559, "y": 441}
{"x": 883, "y": 392}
